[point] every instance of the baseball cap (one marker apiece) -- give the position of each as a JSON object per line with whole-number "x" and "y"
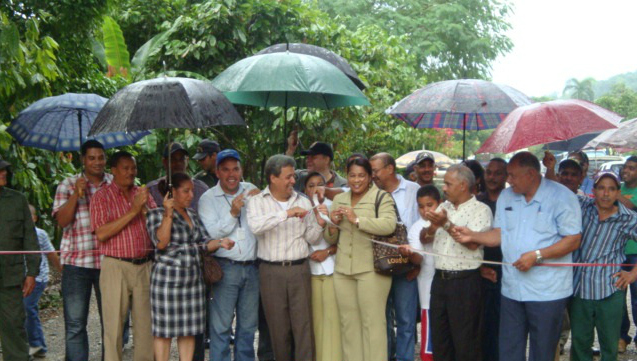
{"x": 206, "y": 147}
{"x": 425, "y": 156}
{"x": 4, "y": 164}
{"x": 175, "y": 147}
{"x": 610, "y": 175}
{"x": 319, "y": 148}
{"x": 227, "y": 153}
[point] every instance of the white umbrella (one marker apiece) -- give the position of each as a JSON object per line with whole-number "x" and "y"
{"x": 404, "y": 160}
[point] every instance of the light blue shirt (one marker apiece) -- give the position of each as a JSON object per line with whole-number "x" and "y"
{"x": 587, "y": 186}
{"x": 406, "y": 201}
{"x": 552, "y": 214}
{"x": 214, "y": 211}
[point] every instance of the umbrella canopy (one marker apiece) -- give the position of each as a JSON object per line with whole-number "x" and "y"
{"x": 313, "y": 50}
{"x": 574, "y": 144}
{"x": 625, "y": 136}
{"x": 61, "y": 123}
{"x": 405, "y": 159}
{"x": 287, "y": 80}
{"x": 166, "y": 103}
{"x": 547, "y": 122}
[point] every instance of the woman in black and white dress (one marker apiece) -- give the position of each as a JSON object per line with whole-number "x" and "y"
{"x": 177, "y": 292}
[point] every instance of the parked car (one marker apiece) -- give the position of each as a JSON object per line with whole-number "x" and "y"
{"x": 595, "y": 163}
{"x": 613, "y": 166}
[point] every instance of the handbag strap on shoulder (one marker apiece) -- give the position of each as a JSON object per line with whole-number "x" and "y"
{"x": 379, "y": 199}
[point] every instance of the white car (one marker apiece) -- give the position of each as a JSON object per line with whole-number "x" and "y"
{"x": 613, "y": 166}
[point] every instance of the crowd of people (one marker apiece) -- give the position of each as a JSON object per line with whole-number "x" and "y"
{"x": 493, "y": 273}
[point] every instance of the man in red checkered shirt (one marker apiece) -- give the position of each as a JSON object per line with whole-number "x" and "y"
{"x": 118, "y": 219}
{"x": 80, "y": 255}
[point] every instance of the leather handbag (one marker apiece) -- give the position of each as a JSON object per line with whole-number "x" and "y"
{"x": 210, "y": 268}
{"x": 387, "y": 260}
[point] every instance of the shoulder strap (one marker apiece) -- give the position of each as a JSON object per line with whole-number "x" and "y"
{"x": 379, "y": 198}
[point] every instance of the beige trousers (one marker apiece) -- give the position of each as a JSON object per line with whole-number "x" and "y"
{"x": 125, "y": 285}
{"x": 361, "y": 300}
{"x": 327, "y": 328}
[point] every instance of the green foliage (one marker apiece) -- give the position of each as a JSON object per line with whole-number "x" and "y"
{"x": 117, "y": 56}
{"x": 580, "y": 89}
{"x": 621, "y": 99}
{"x": 601, "y": 87}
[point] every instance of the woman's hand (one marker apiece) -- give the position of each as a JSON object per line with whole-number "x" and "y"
{"x": 322, "y": 209}
{"x": 320, "y": 255}
{"x": 336, "y": 216}
{"x": 169, "y": 206}
{"x": 405, "y": 250}
{"x": 348, "y": 212}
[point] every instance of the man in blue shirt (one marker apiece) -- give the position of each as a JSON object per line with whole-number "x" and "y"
{"x": 537, "y": 221}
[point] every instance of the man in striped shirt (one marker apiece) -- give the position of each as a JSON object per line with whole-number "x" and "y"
{"x": 600, "y": 290}
{"x": 119, "y": 223}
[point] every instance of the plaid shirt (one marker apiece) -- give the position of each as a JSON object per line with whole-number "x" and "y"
{"x": 79, "y": 246}
{"x": 110, "y": 204}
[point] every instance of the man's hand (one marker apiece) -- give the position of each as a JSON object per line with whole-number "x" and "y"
{"x": 461, "y": 235}
{"x": 438, "y": 219}
{"x": 549, "y": 160}
{"x": 624, "y": 279}
{"x": 237, "y": 204}
{"x": 319, "y": 256}
{"x": 405, "y": 250}
{"x": 80, "y": 187}
{"x": 293, "y": 143}
{"x": 489, "y": 273}
{"x": 254, "y": 192}
{"x": 296, "y": 212}
{"x": 28, "y": 286}
{"x": 526, "y": 261}
{"x": 140, "y": 199}
{"x": 226, "y": 243}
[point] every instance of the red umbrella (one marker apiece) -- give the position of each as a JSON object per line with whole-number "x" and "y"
{"x": 547, "y": 122}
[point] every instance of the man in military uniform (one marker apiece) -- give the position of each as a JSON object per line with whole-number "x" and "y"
{"x": 18, "y": 234}
{"x": 207, "y": 158}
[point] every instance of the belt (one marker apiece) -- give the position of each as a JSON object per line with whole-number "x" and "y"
{"x": 241, "y": 263}
{"x": 135, "y": 261}
{"x": 450, "y": 275}
{"x": 284, "y": 263}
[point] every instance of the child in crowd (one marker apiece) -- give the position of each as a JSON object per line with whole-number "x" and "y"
{"x": 428, "y": 198}
{"x": 37, "y": 346}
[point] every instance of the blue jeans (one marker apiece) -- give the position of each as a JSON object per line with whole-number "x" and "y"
{"x": 540, "y": 322}
{"x": 237, "y": 292}
{"x": 32, "y": 322}
{"x": 77, "y": 283}
{"x": 630, "y": 259}
{"x": 402, "y": 307}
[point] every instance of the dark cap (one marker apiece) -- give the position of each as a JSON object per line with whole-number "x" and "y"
{"x": 425, "y": 156}
{"x": 4, "y": 164}
{"x": 206, "y": 147}
{"x": 319, "y": 148}
{"x": 176, "y": 147}
{"x": 227, "y": 153}
{"x": 608, "y": 174}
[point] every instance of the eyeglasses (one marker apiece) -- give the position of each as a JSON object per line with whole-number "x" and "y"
{"x": 375, "y": 171}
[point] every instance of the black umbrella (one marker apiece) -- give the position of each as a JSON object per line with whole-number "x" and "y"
{"x": 319, "y": 52}
{"x": 574, "y": 144}
{"x": 165, "y": 103}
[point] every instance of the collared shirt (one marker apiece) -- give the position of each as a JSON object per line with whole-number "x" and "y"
{"x": 109, "y": 204}
{"x": 281, "y": 238}
{"x": 79, "y": 246}
{"x": 199, "y": 190}
{"x": 471, "y": 214}
{"x": 602, "y": 242}
{"x": 45, "y": 245}
{"x": 210, "y": 179}
{"x": 551, "y": 215}
{"x": 214, "y": 210}
{"x": 406, "y": 203}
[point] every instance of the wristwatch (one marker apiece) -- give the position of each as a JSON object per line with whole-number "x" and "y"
{"x": 538, "y": 257}
{"x": 356, "y": 222}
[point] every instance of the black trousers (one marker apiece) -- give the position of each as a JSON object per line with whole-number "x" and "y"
{"x": 456, "y": 316}
{"x": 491, "y": 320}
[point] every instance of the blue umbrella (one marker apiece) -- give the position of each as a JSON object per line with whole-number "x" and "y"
{"x": 61, "y": 123}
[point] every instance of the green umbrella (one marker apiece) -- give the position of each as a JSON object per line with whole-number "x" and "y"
{"x": 287, "y": 80}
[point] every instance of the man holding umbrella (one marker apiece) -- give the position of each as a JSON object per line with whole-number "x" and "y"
{"x": 18, "y": 234}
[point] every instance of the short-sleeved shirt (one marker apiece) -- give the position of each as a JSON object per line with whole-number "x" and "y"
{"x": 427, "y": 268}
{"x": 602, "y": 242}
{"x": 406, "y": 203}
{"x": 551, "y": 215}
{"x": 45, "y": 245}
{"x": 471, "y": 214}
{"x": 110, "y": 204}
{"x": 79, "y": 246}
{"x": 199, "y": 189}
{"x": 631, "y": 194}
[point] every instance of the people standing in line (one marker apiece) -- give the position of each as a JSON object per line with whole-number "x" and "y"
{"x": 285, "y": 223}
{"x": 17, "y": 272}
{"x": 361, "y": 293}
{"x": 325, "y": 318}
{"x": 178, "y": 164}
{"x": 118, "y": 219}
{"x": 178, "y": 299}
{"x": 536, "y": 220}
{"x": 600, "y": 292}
{"x": 402, "y": 303}
{"x": 223, "y": 213}
{"x": 206, "y": 156}
{"x": 628, "y": 198}
{"x": 495, "y": 182}
{"x": 428, "y": 201}
{"x": 457, "y": 296}
{"x": 37, "y": 343}
{"x": 80, "y": 248}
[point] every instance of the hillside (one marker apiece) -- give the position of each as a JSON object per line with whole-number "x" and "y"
{"x": 602, "y": 87}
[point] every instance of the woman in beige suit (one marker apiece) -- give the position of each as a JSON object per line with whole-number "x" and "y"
{"x": 361, "y": 293}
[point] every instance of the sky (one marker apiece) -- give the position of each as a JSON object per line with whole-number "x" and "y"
{"x": 555, "y": 40}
